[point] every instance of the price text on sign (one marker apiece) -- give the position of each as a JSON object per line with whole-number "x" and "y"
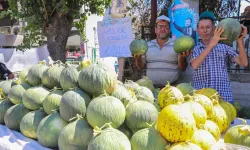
{"x": 115, "y": 37}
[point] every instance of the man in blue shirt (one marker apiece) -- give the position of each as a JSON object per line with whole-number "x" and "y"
{"x": 209, "y": 58}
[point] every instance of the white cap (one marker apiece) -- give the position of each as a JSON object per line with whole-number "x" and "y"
{"x": 162, "y": 17}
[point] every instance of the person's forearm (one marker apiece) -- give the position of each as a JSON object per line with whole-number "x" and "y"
{"x": 242, "y": 54}
{"x": 182, "y": 63}
{"x": 196, "y": 62}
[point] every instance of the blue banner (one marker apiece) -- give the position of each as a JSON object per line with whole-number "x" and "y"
{"x": 184, "y": 16}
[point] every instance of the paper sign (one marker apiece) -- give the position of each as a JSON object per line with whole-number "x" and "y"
{"x": 114, "y": 37}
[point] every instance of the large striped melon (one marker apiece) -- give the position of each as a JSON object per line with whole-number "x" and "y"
{"x": 49, "y": 129}
{"x": 109, "y": 139}
{"x": 72, "y": 103}
{"x": 4, "y": 106}
{"x": 35, "y": 73}
{"x": 14, "y": 115}
{"x": 97, "y": 79}
{"x": 17, "y": 91}
{"x": 51, "y": 76}
{"x": 52, "y": 101}
{"x": 139, "y": 114}
{"x": 232, "y": 30}
{"x": 106, "y": 109}
{"x": 75, "y": 136}
{"x": 33, "y": 98}
{"x": 69, "y": 77}
{"x": 148, "y": 139}
{"x": 30, "y": 122}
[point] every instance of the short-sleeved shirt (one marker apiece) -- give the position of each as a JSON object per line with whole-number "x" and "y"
{"x": 162, "y": 63}
{"x": 4, "y": 71}
{"x": 213, "y": 71}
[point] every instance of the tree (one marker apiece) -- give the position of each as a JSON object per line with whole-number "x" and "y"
{"x": 53, "y": 19}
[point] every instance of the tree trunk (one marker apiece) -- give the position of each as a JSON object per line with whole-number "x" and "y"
{"x": 57, "y": 33}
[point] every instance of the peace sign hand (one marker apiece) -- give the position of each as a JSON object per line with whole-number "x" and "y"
{"x": 216, "y": 38}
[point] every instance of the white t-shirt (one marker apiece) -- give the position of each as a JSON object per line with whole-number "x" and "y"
{"x": 162, "y": 64}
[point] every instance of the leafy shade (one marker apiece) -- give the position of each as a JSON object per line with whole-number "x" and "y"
{"x": 52, "y": 19}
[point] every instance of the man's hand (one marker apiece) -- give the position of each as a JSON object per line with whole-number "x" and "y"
{"x": 139, "y": 61}
{"x": 243, "y": 33}
{"x": 136, "y": 57}
{"x": 184, "y": 55}
{"x": 216, "y": 38}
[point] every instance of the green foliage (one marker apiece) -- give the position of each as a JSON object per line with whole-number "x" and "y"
{"x": 39, "y": 15}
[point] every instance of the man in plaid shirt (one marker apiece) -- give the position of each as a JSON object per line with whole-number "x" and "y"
{"x": 209, "y": 58}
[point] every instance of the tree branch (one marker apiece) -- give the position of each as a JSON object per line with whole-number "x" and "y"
{"x": 47, "y": 17}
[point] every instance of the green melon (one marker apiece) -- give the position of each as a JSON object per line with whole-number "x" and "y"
{"x": 97, "y": 79}
{"x": 146, "y": 82}
{"x": 138, "y": 47}
{"x": 14, "y": 115}
{"x": 69, "y": 77}
{"x": 6, "y": 86}
{"x": 106, "y": 109}
{"x": 109, "y": 139}
{"x": 75, "y": 136}
{"x": 185, "y": 88}
{"x": 139, "y": 114}
{"x": 33, "y": 98}
{"x": 148, "y": 139}
{"x": 239, "y": 135}
{"x": 232, "y": 30}
{"x": 35, "y": 73}
{"x": 52, "y": 101}
{"x": 183, "y": 43}
{"x": 4, "y": 106}
{"x": 51, "y": 76}
{"x": 30, "y": 122}
{"x": 129, "y": 84}
{"x": 143, "y": 93}
{"x": 72, "y": 103}
{"x": 17, "y": 91}
{"x": 49, "y": 129}
{"x": 123, "y": 94}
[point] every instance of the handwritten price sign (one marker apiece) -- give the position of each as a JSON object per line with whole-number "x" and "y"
{"x": 114, "y": 37}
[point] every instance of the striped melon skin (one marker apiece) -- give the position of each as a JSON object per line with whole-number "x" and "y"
{"x": 72, "y": 103}
{"x": 4, "y": 106}
{"x": 49, "y": 129}
{"x": 75, "y": 136}
{"x": 51, "y": 76}
{"x": 14, "y": 115}
{"x": 106, "y": 109}
{"x": 139, "y": 114}
{"x": 148, "y": 139}
{"x": 35, "y": 74}
{"x": 33, "y": 98}
{"x": 110, "y": 139}
{"x": 30, "y": 122}
{"x": 69, "y": 77}
{"x": 17, "y": 91}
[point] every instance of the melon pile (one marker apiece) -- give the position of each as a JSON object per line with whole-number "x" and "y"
{"x": 89, "y": 109}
